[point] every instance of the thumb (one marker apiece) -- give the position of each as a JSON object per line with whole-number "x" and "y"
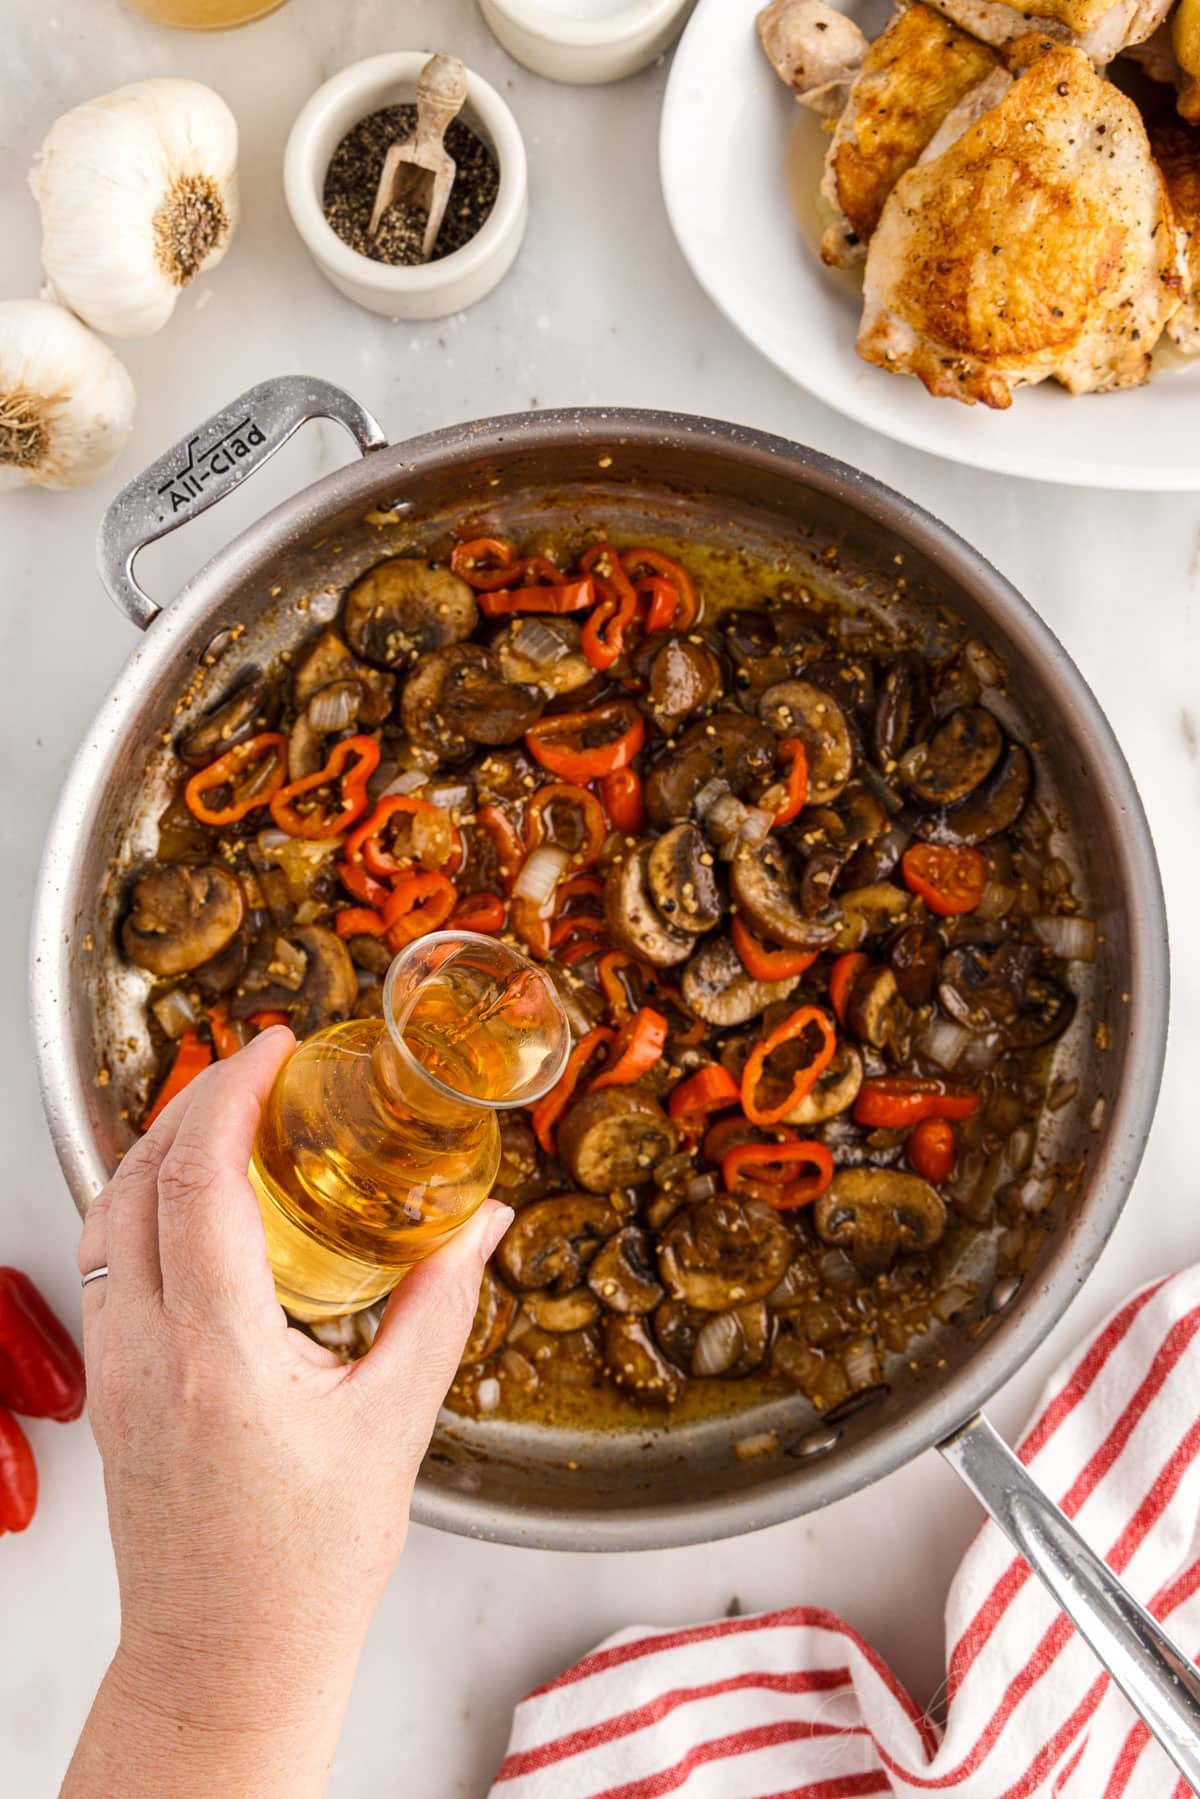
{"x": 425, "y": 1328}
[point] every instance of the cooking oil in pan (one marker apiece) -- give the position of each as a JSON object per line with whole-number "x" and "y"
{"x": 380, "y": 1136}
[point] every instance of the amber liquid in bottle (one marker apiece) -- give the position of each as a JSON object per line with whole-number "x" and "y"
{"x": 380, "y": 1136}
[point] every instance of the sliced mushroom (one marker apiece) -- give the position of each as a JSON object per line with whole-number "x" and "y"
{"x": 680, "y": 873}
{"x": 622, "y": 1275}
{"x": 956, "y": 760}
{"x": 551, "y": 1242}
{"x": 850, "y": 679}
{"x": 404, "y": 608}
{"x": 330, "y": 986}
{"x": 874, "y": 1213}
{"x": 305, "y": 749}
{"x": 914, "y": 957}
{"x": 543, "y": 652}
{"x": 876, "y": 1013}
{"x": 870, "y": 912}
{"x": 728, "y": 746}
{"x": 250, "y": 708}
{"x": 802, "y": 709}
{"x": 731, "y": 1344}
{"x": 684, "y": 677}
{"x": 370, "y": 954}
{"x": 614, "y": 1138}
{"x": 182, "y": 916}
{"x": 521, "y": 1174}
{"x": 751, "y": 639}
{"x": 717, "y": 988}
{"x": 835, "y": 1091}
{"x": 456, "y": 698}
{"x": 723, "y": 1253}
{"x": 494, "y": 1313}
{"x": 1002, "y": 989}
{"x": 766, "y": 885}
{"x": 902, "y": 712}
{"x": 330, "y": 663}
{"x": 558, "y": 1312}
{"x": 635, "y": 1362}
{"x": 634, "y": 921}
{"x": 994, "y": 807}
{"x": 222, "y": 972}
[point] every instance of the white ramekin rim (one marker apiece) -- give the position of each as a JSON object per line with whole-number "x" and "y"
{"x": 368, "y": 81}
{"x": 628, "y": 25}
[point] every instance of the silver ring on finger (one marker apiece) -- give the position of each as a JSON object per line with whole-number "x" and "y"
{"x": 96, "y": 1274}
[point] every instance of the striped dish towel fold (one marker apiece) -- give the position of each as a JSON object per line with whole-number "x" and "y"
{"x": 794, "y": 1705}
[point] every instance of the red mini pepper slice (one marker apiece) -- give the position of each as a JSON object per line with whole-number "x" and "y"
{"x": 557, "y": 597}
{"x": 591, "y": 812}
{"x": 930, "y": 1150}
{"x": 950, "y": 878}
{"x": 783, "y": 1193}
{"x": 711, "y": 1089}
{"x": 638, "y": 1046}
{"x": 545, "y": 1115}
{"x": 351, "y": 764}
{"x": 506, "y": 839}
{"x": 611, "y": 984}
{"x": 417, "y": 905}
{"x": 893, "y": 1102}
{"x": 808, "y": 1018}
{"x": 18, "y": 1476}
{"x": 793, "y": 752}
{"x": 253, "y": 772}
{"x": 583, "y": 746}
{"x": 225, "y": 1036}
{"x": 652, "y": 565}
{"x": 484, "y": 912}
{"x": 842, "y": 976}
{"x": 765, "y": 964}
{"x": 361, "y": 921}
{"x": 622, "y": 798}
{"x": 484, "y": 563}
{"x": 435, "y": 840}
{"x": 191, "y": 1058}
{"x": 41, "y": 1369}
{"x": 263, "y": 1021}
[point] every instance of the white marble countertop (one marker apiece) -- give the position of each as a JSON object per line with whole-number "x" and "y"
{"x": 600, "y": 309}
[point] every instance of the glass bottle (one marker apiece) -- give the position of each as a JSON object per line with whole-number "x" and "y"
{"x": 203, "y": 15}
{"x": 380, "y": 1137}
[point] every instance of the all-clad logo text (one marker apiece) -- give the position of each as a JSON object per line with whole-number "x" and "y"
{"x": 221, "y": 458}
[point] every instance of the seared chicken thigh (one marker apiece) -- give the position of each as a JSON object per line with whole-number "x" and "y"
{"x": 816, "y": 50}
{"x": 911, "y": 78}
{"x": 1176, "y": 148}
{"x": 1104, "y": 28}
{"x": 1040, "y": 243}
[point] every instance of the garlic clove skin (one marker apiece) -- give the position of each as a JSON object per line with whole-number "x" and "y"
{"x": 138, "y": 194}
{"x": 66, "y": 402}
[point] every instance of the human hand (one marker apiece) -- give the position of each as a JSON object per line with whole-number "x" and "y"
{"x": 258, "y": 1488}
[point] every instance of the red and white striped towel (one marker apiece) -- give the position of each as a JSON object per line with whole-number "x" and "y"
{"x": 794, "y": 1705}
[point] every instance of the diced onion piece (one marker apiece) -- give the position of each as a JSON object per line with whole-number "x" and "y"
{"x": 335, "y": 1333}
{"x": 1072, "y": 938}
{"x": 702, "y": 1187}
{"x": 1037, "y": 1193}
{"x": 761, "y": 1443}
{"x": 538, "y": 643}
{"x": 718, "y": 1346}
{"x": 951, "y": 1301}
{"x": 861, "y": 1362}
{"x": 288, "y": 965}
{"x": 671, "y": 1167}
{"x": 174, "y": 1012}
{"x": 368, "y": 1323}
{"x": 981, "y": 1053}
{"x": 944, "y": 1041}
{"x": 755, "y": 826}
{"x": 407, "y": 781}
{"x": 1017, "y": 1153}
{"x": 998, "y": 900}
{"x": 271, "y": 839}
{"x": 487, "y": 1394}
{"x": 541, "y": 871}
{"x": 519, "y": 1367}
{"x": 837, "y": 1270}
{"x": 451, "y": 796}
{"x": 335, "y": 707}
{"x": 1061, "y": 1094}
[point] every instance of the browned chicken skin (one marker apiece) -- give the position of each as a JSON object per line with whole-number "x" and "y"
{"x": 1040, "y": 243}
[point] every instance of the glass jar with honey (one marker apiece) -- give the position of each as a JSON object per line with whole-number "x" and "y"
{"x": 380, "y": 1136}
{"x": 203, "y": 15}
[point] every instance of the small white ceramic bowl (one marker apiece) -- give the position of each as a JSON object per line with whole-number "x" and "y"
{"x": 586, "y": 50}
{"x": 432, "y": 289}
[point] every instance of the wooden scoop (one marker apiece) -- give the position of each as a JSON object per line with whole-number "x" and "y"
{"x": 418, "y": 172}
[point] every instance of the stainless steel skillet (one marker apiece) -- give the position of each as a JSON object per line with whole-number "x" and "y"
{"x": 642, "y": 472}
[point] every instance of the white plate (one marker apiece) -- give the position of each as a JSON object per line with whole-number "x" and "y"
{"x": 733, "y": 139}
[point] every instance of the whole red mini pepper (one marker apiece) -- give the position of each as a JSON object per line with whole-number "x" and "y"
{"x": 41, "y": 1370}
{"x": 18, "y": 1476}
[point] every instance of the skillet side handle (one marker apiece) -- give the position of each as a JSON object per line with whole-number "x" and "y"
{"x": 1158, "y": 1680}
{"x": 208, "y": 464}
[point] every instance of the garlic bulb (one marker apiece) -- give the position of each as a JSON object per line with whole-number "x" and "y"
{"x": 138, "y": 192}
{"x": 66, "y": 403}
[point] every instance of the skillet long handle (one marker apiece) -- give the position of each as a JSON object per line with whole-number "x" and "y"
{"x": 209, "y": 463}
{"x": 1156, "y": 1677}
